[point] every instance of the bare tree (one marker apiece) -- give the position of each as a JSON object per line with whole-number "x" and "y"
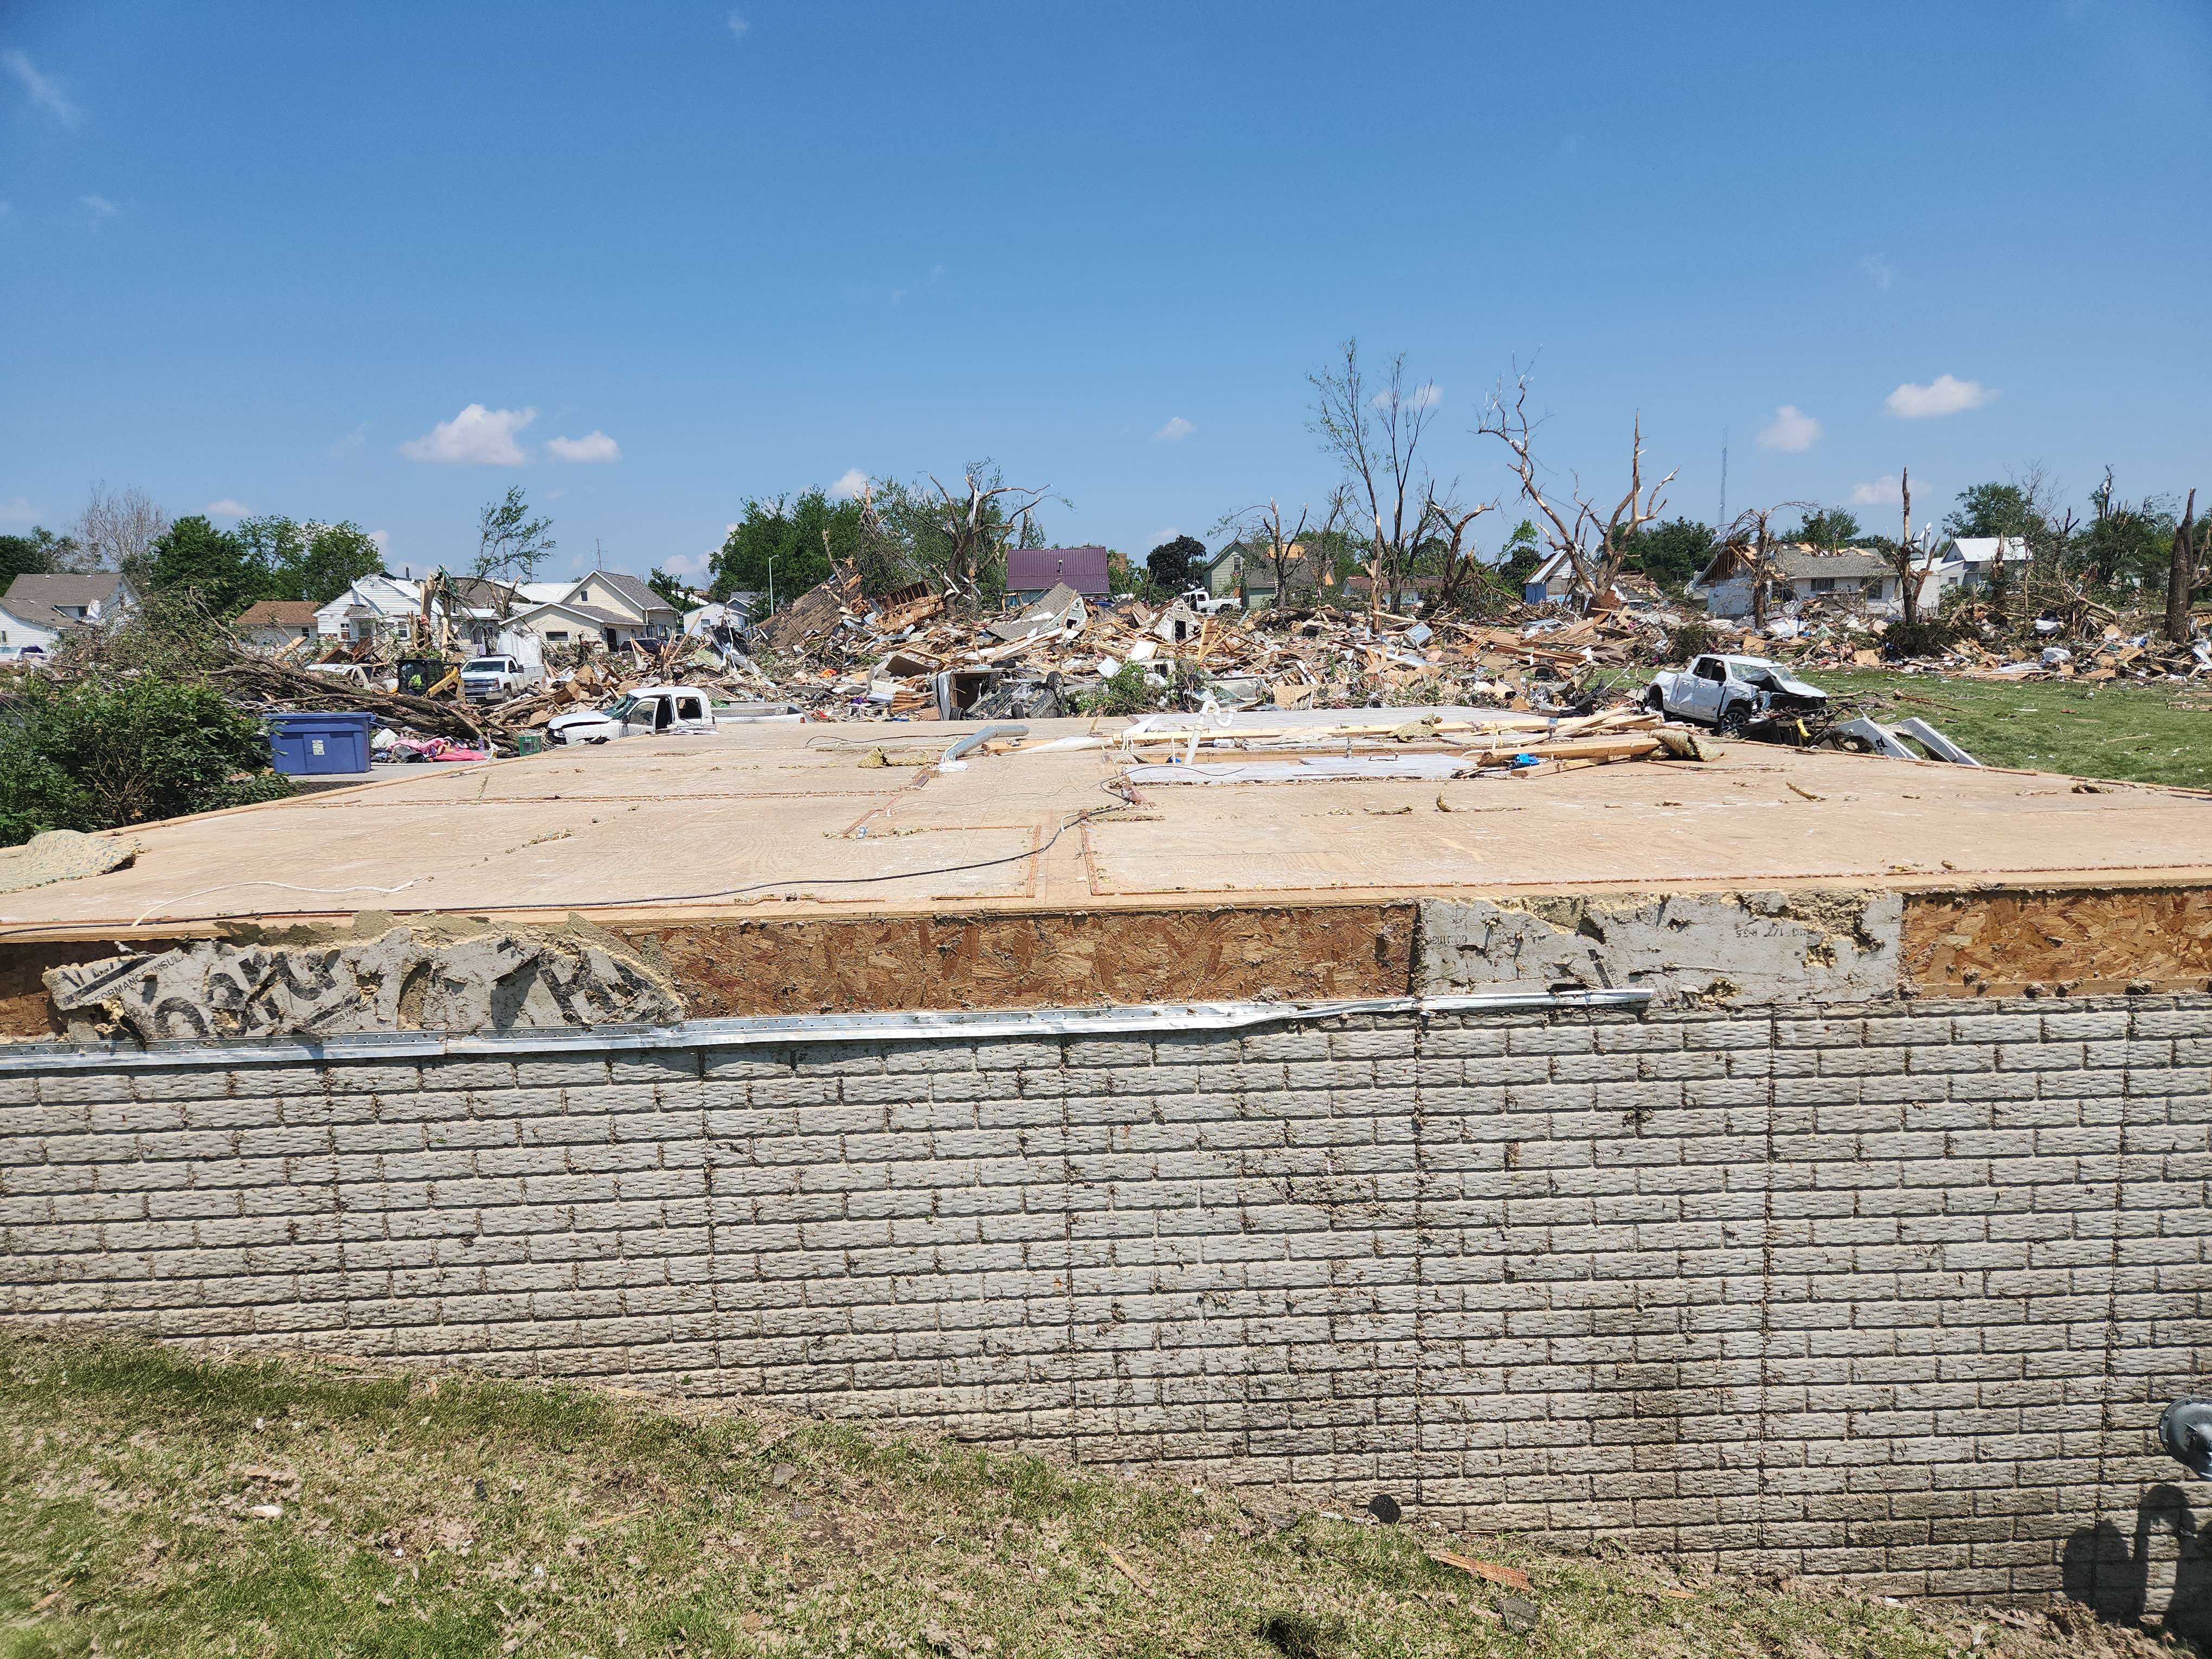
{"x": 973, "y": 531}
{"x": 116, "y": 531}
{"x": 1912, "y": 562}
{"x": 1596, "y": 543}
{"x": 2181, "y": 573}
{"x": 1456, "y": 559}
{"x": 1264, "y": 525}
{"x": 1373, "y": 437}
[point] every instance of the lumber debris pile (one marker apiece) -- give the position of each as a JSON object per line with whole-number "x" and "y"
{"x": 907, "y": 654}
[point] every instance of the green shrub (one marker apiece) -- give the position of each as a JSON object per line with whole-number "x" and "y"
{"x": 1691, "y": 639}
{"x": 93, "y": 754}
{"x": 1924, "y": 636}
{"x": 1125, "y": 691}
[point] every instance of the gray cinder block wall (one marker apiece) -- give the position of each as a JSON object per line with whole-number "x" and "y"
{"x": 1895, "y": 1293}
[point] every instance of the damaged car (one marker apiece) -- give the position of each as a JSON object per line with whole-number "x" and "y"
{"x": 1736, "y": 695}
{"x": 655, "y": 711}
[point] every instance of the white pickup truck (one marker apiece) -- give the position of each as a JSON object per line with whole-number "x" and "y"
{"x": 1731, "y": 693}
{"x": 484, "y": 679}
{"x": 653, "y": 711}
{"x": 1209, "y": 603}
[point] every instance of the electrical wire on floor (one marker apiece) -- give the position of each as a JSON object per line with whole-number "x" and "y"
{"x": 1116, "y": 786}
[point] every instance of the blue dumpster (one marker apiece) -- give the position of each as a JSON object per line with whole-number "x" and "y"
{"x": 301, "y": 746}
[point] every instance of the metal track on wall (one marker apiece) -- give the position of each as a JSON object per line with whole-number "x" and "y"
{"x": 781, "y": 1030}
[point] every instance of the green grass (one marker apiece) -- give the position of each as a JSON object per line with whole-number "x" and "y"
{"x": 449, "y": 1515}
{"x": 2134, "y": 734}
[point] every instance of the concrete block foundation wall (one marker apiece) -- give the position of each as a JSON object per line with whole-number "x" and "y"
{"x": 1894, "y": 1291}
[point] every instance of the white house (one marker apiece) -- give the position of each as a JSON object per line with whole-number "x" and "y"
{"x": 372, "y": 607}
{"x": 1968, "y": 561}
{"x": 37, "y": 610}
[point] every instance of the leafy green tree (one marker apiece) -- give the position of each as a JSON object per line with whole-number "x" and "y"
{"x": 312, "y": 562}
{"x": 510, "y": 543}
{"x": 674, "y": 589}
{"x": 1670, "y": 554}
{"x": 193, "y": 556}
{"x": 41, "y": 553}
{"x": 1829, "y": 528}
{"x": 2126, "y": 543}
{"x": 96, "y": 754}
{"x": 1991, "y": 509}
{"x": 1172, "y": 564}
{"x": 797, "y": 538}
{"x": 1517, "y": 560}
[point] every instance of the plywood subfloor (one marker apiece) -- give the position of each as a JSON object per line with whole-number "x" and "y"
{"x": 787, "y": 821}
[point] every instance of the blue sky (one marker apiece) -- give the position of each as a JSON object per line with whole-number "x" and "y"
{"x": 267, "y": 256}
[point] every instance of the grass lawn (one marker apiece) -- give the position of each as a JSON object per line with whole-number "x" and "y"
{"x": 2139, "y": 735}
{"x": 153, "y": 1505}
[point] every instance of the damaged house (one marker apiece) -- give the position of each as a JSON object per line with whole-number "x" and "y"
{"x": 1850, "y": 576}
{"x": 38, "y": 610}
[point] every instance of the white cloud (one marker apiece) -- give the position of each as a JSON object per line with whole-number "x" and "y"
{"x": 1943, "y": 395}
{"x": 226, "y": 508}
{"x": 1175, "y": 431}
{"x": 475, "y": 437}
{"x": 44, "y": 92}
{"x": 738, "y": 24}
{"x": 689, "y": 566}
{"x": 98, "y": 210}
{"x": 1792, "y": 430}
{"x": 351, "y": 444}
{"x": 1427, "y": 395}
{"x": 383, "y": 540}
{"x": 19, "y": 511}
{"x": 1885, "y": 491}
{"x": 1879, "y": 270}
{"x": 594, "y": 446}
{"x": 846, "y": 488}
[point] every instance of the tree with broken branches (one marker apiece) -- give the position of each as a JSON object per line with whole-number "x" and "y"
{"x": 1596, "y": 543}
{"x": 1751, "y": 534}
{"x": 964, "y": 547}
{"x": 1375, "y": 436}
{"x": 1910, "y": 562}
{"x": 2181, "y": 575}
{"x": 1455, "y": 558}
{"x": 510, "y": 543}
{"x": 1261, "y": 528}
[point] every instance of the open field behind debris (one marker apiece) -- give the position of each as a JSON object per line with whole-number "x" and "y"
{"x": 152, "y": 1504}
{"x": 2160, "y": 732}
{"x": 2156, "y": 733}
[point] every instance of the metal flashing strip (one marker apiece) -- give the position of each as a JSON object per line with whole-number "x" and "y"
{"x": 772, "y": 1030}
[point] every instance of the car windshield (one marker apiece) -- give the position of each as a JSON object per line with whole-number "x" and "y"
{"x": 621, "y": 710}
{"x": 487, "y": 665}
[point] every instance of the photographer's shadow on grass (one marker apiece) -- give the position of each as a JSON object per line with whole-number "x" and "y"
{"x": 2119, "y": 1578}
